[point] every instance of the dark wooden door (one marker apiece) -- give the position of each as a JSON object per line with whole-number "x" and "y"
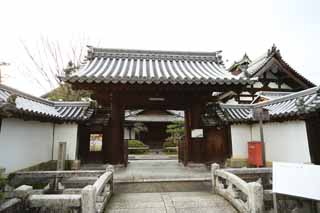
{"x": 90, "y": 151}
{"x": 218, "y": 144}
{"x": 313, "y": 132}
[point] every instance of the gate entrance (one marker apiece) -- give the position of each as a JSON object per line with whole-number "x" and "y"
{"x": 157, "y": 80}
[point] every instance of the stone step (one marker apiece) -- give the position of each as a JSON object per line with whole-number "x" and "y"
{"x": 168, "y": 202}
{"x": 172, "y": 186}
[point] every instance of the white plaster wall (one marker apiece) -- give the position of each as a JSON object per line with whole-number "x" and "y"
{"x": 240, "y": 135}
{"x": 286, "y": 141}
{"x": 24, "y": 143}
{"x": 126, "y": 133}
{"x": 66, "y": 133}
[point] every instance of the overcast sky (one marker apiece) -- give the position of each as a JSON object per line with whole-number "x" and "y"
{"x": 234, "y": 27}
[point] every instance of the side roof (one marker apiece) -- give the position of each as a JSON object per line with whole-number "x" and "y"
{"x": 288, "y": 106}
{"x": 19, "y": 104}
{"x": 259, "y": 63}
{"x": 153, "y": 67}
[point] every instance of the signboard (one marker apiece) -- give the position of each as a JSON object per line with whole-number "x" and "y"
{"x": 301, "y": 180}
{"x": 197, "y": 133}
{"x": 95, "y": 142}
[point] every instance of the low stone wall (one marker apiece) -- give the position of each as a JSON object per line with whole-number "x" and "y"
{"x": 13, "y": 205}
{"x": 41, "y": 178}
{"x": 90, "y": 199}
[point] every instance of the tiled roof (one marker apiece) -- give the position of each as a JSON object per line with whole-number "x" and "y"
{"x": 23, "y": 104}
{"x": 295, "y": 104}
{"x": 153, "y": 67}
{"x": 256, "y": 65}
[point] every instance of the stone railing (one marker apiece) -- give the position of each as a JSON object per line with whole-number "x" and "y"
{"x": 245, "y": 197}
{"x": 90, "y": 199}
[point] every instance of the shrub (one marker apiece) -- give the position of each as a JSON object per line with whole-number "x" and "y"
{"x": 169, "y": 144}
{"x": 135, "y": 143}
{"x": 138, "y": 151}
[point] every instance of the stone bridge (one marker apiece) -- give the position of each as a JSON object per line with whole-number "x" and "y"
{"x": 167, "y": 187}
{"x": 156, "y": 186}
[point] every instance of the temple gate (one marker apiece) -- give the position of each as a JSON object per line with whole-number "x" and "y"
{"x": 136, "y": 79}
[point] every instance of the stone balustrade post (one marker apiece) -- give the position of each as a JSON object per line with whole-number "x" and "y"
{"x": 22, "y": 191}
{"x": 214, "y": 167}
{"x": 111, "y": 169}
{"x": 88, "y": 199}
{"x": 255, "y": 197}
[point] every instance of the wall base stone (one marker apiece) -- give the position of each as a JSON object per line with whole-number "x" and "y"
{"x": 237, "y": 162}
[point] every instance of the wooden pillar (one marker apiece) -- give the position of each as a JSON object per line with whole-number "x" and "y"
{"x": 187, "y": 143}
{"x": 196, "y": 116}
{"x": 116, "y": 145}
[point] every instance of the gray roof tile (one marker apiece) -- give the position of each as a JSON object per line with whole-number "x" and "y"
{"x": 295, "y": 104}
{"x": 26, "y": 104}
{"x": 140, "y": 66}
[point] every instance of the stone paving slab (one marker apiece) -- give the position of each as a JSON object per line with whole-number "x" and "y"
{"x": 160, "y": 170}
{"x": 184, "y": 202}
{"x": 186, "y": 186}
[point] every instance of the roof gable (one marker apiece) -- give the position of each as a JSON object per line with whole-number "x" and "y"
{"x": 272, "y": 58}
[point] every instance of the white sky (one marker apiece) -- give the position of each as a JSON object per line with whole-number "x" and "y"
{"x": 234, "y": 27}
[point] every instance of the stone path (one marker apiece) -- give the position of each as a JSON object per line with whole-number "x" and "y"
{"x": 160, "y": 170}
{"x": 171, "y": 202}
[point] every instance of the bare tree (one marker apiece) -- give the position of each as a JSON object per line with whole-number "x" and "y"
{"x": 50, "y": 59}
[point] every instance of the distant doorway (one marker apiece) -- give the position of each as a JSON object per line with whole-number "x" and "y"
{"x": 147, "y": 136}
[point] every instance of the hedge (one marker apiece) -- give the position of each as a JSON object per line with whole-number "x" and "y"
{"x": 137, "y": 144}
{"x": 169, "y": 144}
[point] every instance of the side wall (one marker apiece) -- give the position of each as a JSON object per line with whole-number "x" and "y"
{"x": 24, "y": 143}
{"x": 240, "y": 135}
{"x": 286, "y": 141}
{"x": 66, "y": 133}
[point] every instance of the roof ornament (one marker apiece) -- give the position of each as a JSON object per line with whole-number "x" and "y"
{"x": 12, "y": 99}
{"x": 71, "y": 67}
{"x": 273, "y": 50}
